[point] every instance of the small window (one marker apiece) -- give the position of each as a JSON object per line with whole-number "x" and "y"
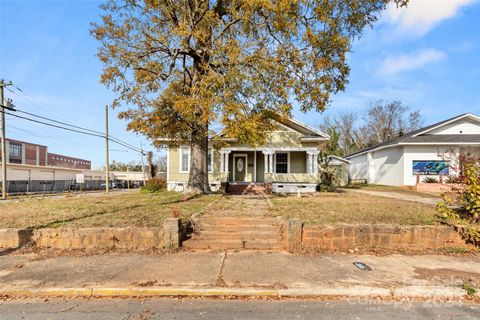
{"x": 281, "y": 163}
{"x": 184, "y": 159}
{"x": 210, "y": 160}
{"x": 15, "y": 150}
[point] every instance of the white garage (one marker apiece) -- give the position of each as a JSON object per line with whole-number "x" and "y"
{"x": 428, "y": 152}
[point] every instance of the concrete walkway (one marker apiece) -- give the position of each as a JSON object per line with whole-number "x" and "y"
{"x": 396, "y": 195}
{"x": 244, "y": 273}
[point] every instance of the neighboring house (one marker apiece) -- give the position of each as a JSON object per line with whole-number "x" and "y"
{"x": 409, "y": 158}
{"x": 288, "y": 160}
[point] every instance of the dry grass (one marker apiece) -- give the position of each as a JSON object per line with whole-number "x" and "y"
{"x": 145, "y": 210}
{"x": 114, "y": 210}
{"x": 336, "y": 208}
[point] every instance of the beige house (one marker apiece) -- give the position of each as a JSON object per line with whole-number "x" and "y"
{"x": 288, "y": 160}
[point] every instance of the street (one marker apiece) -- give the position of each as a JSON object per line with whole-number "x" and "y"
{"x": 150, "y": 309}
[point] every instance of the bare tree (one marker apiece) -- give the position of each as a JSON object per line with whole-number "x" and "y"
{"x": 382, "y": 122}
{"x": 385, "y": 121}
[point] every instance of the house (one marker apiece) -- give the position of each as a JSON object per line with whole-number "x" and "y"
{"x": 288, "y": 161}
{"x": 427, "y": 152}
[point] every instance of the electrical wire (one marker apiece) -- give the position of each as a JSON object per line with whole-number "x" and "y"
{"x": 100, "y": 135}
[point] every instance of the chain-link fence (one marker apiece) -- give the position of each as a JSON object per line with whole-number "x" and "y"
{"x": 56, "y": 186}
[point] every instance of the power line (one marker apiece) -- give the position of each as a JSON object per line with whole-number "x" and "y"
{"x": 112, "y": 138}
{"x": 100, "y": 135}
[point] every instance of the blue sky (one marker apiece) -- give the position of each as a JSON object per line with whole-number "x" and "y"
{"x": 427, "y": 56}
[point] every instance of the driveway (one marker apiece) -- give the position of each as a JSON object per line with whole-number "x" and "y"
{"x": 396, "y": 195}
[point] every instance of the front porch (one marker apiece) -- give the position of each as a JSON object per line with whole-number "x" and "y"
{"x": 285, "y": 170}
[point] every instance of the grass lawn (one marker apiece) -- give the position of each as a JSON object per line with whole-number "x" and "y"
{"x": 125, "y": 209}
{"x": 336, "y": 208}
{"x": 114, "y": 210}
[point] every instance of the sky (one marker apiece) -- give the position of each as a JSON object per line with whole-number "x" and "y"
{"x": 427, "y": 56}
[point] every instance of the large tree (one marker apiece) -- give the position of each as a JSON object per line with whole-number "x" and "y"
{"x": 182, "y": 64}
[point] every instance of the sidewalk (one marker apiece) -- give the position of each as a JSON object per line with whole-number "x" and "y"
{"x": 396, "y": 195}
{"x": 237, "y": 274}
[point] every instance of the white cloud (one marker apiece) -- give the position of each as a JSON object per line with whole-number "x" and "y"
{"x": 410, "y": 61}
{"x": 420, "y": 16}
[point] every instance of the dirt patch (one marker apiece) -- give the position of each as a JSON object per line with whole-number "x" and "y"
{"x": 450, "y": 276}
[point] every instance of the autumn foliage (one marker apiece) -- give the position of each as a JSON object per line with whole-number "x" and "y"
{"x": 180, "y": 65}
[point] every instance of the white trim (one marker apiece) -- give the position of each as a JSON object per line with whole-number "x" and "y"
{"x": 168, "y": 163}
{"x": 271, "y": 149}
{"x": 234, "y": 166}
{"x": 210, "y": 150}
{"x": 414, "y": 144}
{"x": 467, "y": 115}
{"x": 255, "y": 166}
{"x": 180, "y": 158}
{"x": 301, "y": 124}
{"x": 275, "y": 161}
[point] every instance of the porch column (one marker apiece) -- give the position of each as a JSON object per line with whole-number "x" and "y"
{"x": 309, "y": 161}
{"x": 312, "y": 167}
{"x": 315, "y": 164}
{"x": 268, "y": 161}
{"x": 271, "y": 162}
{"x": 265, "y": 155}
{"x": 224, "y": 161}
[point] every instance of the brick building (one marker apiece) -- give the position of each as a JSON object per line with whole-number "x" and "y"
{"x": 21, "y": 152}
{"x": 58, "y": 160}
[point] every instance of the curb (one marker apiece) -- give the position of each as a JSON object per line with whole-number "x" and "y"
{"x": 355, "y": 291}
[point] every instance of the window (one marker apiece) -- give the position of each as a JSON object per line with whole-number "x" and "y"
{"x": 184, "y": 159}
{"x": 210, "y": 160}
{"x": 15, "y": 150}
{"x": 281, "y": 163}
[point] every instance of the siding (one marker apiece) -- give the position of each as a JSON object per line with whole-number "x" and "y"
{"x": 358, "y": 167}
{"x": 298, "y": 162}
{"x": 466, "y": 126}
{"x": 174, "y": 166}
{"x": 388, "y": 166}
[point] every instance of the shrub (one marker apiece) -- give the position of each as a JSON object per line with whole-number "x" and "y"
{"x": 430, "y": 180}
{"x": 154, "y": 185}
{"x": 461, "y": 206}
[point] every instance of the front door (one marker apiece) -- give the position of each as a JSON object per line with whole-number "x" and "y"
{"x": 240, "y": 170}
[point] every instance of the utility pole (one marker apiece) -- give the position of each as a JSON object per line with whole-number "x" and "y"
{"x": 107, "y": 166}
{"x": 4, "y": 142}
{"x": 143, "y": 163}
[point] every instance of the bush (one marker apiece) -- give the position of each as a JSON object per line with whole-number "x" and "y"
{"x": 461, "y": 206}
{"x": 154, "y": 185}
{"x": 430, "y": 180}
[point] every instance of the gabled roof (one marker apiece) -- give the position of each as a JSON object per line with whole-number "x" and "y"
{"x": 310, "y": 134}
{"x": 421, "y": 136}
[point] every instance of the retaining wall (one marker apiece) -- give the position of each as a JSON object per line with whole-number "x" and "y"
{"x": 87, "y": 238}
{"x": 344, "y": 237}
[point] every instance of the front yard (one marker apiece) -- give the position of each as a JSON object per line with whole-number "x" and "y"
{"x": 350, "y": 208}
{"x": 114, "y": 210}
{"x": 144, "y": 210}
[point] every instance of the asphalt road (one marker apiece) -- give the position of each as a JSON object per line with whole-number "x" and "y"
{"x": 185, "y": 309}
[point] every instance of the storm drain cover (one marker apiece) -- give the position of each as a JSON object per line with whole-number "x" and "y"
{"x": 362, "y": 266}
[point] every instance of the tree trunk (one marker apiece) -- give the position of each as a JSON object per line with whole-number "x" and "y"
{"x": 198, "y": 177}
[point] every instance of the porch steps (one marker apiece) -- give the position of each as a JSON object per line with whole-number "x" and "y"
{"x": 223, "y": 233}
{"x": 249, "y": 188}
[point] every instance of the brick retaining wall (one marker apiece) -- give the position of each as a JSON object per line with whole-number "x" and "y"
{"x": 344, "y": 237}
{"x": 87, "y": 238}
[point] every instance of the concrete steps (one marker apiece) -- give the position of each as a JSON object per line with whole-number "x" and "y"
{"x": 222, "y": 233}
{"x": 249, "y": 188}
